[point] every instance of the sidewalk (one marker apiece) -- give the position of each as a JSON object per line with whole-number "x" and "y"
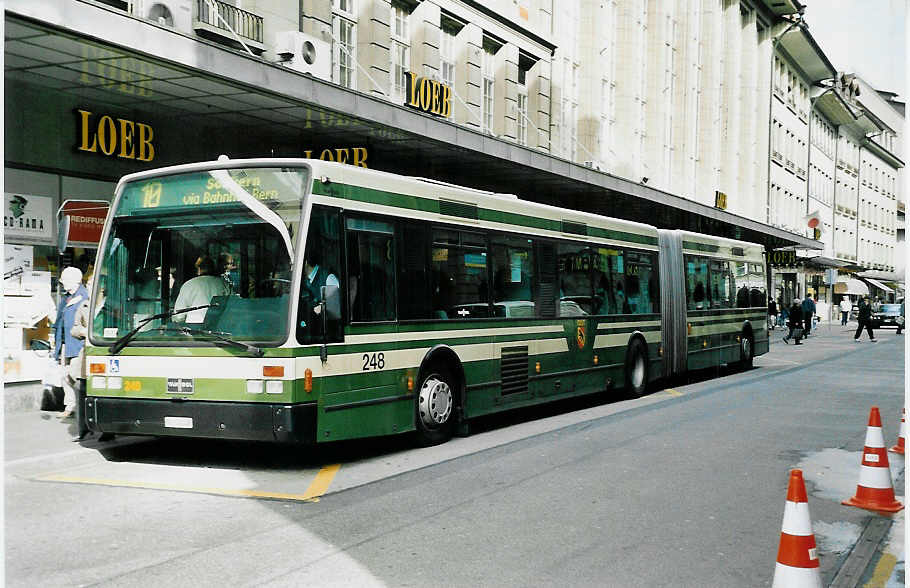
{"x": 833, "y": 330}
{"x": 22, "y": 396}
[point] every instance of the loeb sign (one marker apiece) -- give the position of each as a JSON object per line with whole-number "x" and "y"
{"x": 429, "y": 95}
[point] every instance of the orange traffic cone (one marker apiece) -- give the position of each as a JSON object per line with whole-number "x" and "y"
{"x": 874, "y": 491}
{"x": 899, "y": 448}
{"x": 797, "y": 556}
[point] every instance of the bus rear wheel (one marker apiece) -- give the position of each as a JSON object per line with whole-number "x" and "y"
{"x": 636, "y": 369}
{"x": 435, "y": 408}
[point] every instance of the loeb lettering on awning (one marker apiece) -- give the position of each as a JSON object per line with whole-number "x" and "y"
{"x": 86, "y": 219}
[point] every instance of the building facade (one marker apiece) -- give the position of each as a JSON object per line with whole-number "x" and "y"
{"x": 692, "y": 114}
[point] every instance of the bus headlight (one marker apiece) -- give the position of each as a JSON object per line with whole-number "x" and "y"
{"x": 254, "y": 386}
{"x": 99, "y": 382}
{"x": 274, "y": 386}
{"x": 114, "y": 383}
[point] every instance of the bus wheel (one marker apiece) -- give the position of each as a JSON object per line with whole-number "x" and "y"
{"x": 746, "y": 350}
{"x": 636, "y": 369}
{"x": 435, "y": 408}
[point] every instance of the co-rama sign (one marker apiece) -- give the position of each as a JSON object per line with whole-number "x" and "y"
{"x": 429, "y": 95}
{"x": 112, "y": 137}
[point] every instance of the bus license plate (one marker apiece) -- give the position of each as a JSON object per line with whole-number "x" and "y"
{"x": 178, "y": 422}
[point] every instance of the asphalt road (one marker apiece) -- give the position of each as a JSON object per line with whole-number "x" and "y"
{"x": 685, "y": 487}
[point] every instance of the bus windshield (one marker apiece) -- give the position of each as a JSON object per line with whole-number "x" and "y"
{"x": 219, "y": 241}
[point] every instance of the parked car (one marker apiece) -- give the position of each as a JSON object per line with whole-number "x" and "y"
{"x": 889, "y": 315}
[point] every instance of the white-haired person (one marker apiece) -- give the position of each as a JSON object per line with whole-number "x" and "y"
{"x": 67, "y": 347}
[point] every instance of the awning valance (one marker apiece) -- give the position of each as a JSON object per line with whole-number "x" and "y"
{"x": 851, "y": 286}
{"x": 877, "y": 284}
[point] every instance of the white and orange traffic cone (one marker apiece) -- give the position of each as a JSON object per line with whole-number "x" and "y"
{"x": 899, "y": 448}
{"x": 797, "y": 556}
{"x": 874, "y": 491}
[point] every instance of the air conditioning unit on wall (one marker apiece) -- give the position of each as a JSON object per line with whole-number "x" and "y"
{"x": 305, "y": 53}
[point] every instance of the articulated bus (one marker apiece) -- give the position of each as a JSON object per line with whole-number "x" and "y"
{"x": 299, "y": 300}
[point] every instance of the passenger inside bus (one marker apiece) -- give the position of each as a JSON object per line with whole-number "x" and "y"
{"x": 200, "y": 290}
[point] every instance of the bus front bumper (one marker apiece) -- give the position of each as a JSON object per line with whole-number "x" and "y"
{"x": 288, "y": 423}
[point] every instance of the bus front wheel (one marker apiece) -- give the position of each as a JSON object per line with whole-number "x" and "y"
{"x": 636, "y": 369}
{"x": 435, "y": 408}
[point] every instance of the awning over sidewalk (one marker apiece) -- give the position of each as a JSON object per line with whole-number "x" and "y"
{"x": 877, "y": 284}
{"x": 827, "y": 262}
{"x": 851, "y": 286}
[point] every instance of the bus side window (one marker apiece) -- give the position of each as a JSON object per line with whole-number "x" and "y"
{"x": 513, "y": 275}
{"x": 414, "y": 295}
{"x": 697, "y": 292}
{"x": 460, "y": 288}
{"x": 721, "y": 284}
{"x": 642, "y": 291}
{"x": 371, "y": 270}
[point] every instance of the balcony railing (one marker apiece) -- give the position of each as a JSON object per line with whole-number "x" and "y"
{"x": 246, "y": 24}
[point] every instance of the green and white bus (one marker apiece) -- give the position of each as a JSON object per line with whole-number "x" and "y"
{"x": 307, "y": 301}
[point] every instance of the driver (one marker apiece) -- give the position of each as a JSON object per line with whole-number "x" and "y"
{"x": 314, "y": 279}
{"x": 200, "y": 290}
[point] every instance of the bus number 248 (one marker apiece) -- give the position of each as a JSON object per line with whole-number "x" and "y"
{"x": 373, "y": 361}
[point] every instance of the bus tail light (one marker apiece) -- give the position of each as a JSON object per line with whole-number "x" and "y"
{"x": 308, "y": 380}
{"x": 96, "y": 368}
{"x": 273, "y": 371}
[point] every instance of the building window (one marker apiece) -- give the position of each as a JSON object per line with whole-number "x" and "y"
{"x": 488, "y": 69}
{"x": 447, "y": 53}
{"x": 344, "y": 47}
{"x": 522, "y": 115}
{"x": 400, "y": 50}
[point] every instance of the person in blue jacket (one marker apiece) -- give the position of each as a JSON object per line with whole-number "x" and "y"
{"x": 65, "y": 344}
{"x": 808, "y": 308}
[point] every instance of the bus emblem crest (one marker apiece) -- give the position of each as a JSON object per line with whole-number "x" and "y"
{"x": 580, "y": 337}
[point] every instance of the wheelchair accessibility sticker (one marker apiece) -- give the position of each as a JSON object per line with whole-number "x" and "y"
{"x": 113, "y": 366}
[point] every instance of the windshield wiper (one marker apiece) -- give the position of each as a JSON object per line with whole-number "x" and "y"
{"x": 221, "y": 337}
{"x": 125, "y": 340}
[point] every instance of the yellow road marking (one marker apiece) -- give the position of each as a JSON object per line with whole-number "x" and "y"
{"x": 320, "y": 483}
{"x": 673, "y": 392}
{"x": 317, "y": 488}
{"x": 882, "y": 571}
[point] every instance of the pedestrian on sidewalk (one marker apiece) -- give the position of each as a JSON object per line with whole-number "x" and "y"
{"x": 864, "y": 319}
{"x": 64, "y": 343}
{"x": 795, "y": 324}
{"x": 808, "y": 308}
{"x": 772, "y": 313}
{"x": 845, "y": 307}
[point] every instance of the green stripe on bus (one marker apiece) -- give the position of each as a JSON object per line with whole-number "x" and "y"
{"x": 371, "y": 195}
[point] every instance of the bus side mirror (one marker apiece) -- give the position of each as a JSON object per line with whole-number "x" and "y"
{"x": 332, "y": 297}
